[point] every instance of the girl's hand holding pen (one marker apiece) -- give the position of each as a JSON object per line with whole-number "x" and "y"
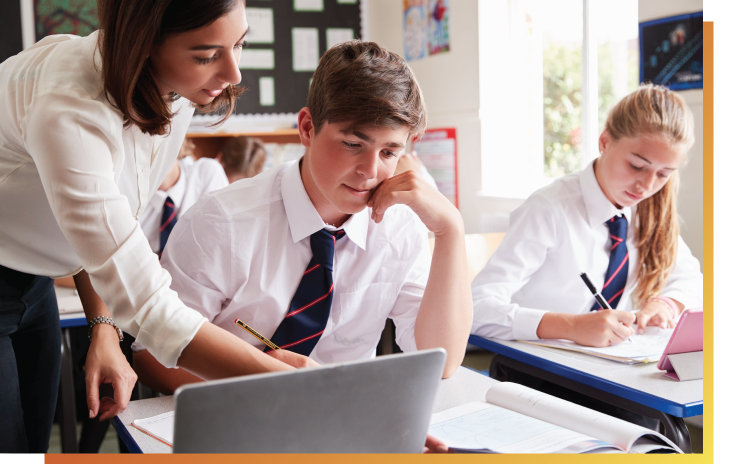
{"x": 598, "y": 328}
{"x": 602, "y": 328}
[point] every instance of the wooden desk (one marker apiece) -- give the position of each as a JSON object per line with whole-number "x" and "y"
{"x": 463, "y": 387}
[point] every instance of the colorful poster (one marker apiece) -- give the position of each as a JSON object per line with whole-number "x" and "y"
{"x": 438, "y": 151}
{"x": 426, "y": 28}
{"x": 439, "y": 26}
{"x": 415, "y": 29}
{"x": 78, "y": 17}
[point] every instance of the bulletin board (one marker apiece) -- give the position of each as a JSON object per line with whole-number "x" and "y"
{"x": 285, "y": 42}
{"x": 671, "y": 52}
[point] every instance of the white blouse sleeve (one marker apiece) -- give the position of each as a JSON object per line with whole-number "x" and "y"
{"x": 532, "y": 232}
{"x": 686, "y": 283}
{"x": 70, "y": 139}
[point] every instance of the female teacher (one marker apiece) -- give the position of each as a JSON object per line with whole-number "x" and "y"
{"x": 88, "y": 129}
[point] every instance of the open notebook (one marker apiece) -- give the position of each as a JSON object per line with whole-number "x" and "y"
{"x": 645, "y": 348}
{"x": 518, "y": 419}
{"x": 159, "y": 427}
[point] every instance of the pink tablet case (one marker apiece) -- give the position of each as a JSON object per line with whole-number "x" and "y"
{"x": 688, "y": 336}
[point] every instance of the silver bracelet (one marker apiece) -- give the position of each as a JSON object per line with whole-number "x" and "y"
{"x": 104, "y": 320}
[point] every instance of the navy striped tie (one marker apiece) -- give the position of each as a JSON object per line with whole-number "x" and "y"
{"x": 618, "y": 267}
{"x": 167, "y": 221}
{"x": 309, "y": 310}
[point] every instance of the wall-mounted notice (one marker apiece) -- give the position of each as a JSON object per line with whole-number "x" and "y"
{"x": 438, "y": 151}
{"x": 260, "y": 25}
{"x": 335, "y": 35}
{"x": 304, "y": 48}
{"x": 285, "y": 41}
{"x": 426, "y": 28}
{"x": 308, "y": 5}
{"x": 256, "y": 59}
{"x": 266, "y": 91}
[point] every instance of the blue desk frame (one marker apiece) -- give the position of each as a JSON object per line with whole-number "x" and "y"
{"x": 669, "y": 412}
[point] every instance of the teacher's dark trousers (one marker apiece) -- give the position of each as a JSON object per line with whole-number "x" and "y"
{"x": 29, "y": 361}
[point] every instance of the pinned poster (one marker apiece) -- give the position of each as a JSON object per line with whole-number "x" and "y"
{"x": 260, "y": 25}
{"x": 426, "y": 28}
{"x": 304, "y": 49}
{"x": 437, "y": 149}
{"x": 336, "y": 35}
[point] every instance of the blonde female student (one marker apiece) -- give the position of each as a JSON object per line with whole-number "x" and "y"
{"x": 617, "y": 221}
{"x": 89, "y": 127}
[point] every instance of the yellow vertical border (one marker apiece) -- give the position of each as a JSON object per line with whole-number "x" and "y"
{"x": 709, "y": 239}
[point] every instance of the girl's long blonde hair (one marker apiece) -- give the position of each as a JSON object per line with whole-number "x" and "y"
{"x": 654, "y": 111}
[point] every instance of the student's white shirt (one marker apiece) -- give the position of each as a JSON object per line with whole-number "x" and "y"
{"x": 558, "y": 233}
{"x": 240, "y": 253}
{"x": 196, "y": 178}
{"x": 74, "y": 181}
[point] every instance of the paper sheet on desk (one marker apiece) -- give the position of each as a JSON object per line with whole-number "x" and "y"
{"x": 159, "y": 427}
{"x": 645, "y": 348}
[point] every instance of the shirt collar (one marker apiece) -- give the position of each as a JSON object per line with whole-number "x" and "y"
{"x": 303, "y": 218}
{"x": 599, "y": 208}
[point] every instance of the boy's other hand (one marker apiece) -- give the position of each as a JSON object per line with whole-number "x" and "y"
{"x": 437, "y": 213}
{"x": 295, "y": 360}
{"x": 435, "y": 445}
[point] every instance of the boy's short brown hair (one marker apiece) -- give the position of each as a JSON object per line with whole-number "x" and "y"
{"x": 365, "y": 84}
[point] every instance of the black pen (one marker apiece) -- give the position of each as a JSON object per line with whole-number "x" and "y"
{"x": 598, "y": 296}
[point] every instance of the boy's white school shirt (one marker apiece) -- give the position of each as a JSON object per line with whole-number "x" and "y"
{"x": 73, "y": 182}
{"x": 197, "y": 177}
{"x": 558, "y": 233}
{"x": 240, "y": 253}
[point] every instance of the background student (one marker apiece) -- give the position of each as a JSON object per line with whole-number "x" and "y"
{"x": 185, "y": 183}
{"x": 334, "y": 237}
{"x": 94, "y": 134}
{"x": 242, "y": 157}
{"x": 616, "y": 220}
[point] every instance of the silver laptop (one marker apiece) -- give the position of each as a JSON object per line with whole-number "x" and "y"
{"x": 382, "y": 405}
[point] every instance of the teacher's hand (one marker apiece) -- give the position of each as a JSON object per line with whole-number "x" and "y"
{"x": 106, "y": 364}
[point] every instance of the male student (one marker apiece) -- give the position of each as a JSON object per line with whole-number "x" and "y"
{"x": 316, "y": 254}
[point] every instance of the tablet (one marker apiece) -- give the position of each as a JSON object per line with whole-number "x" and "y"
{"x": 687, "y": 337}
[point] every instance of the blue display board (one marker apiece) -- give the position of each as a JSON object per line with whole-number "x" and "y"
{"x": 671, "y": 51}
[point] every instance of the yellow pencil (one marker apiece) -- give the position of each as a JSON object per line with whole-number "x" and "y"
{"x": 256, "y": 334}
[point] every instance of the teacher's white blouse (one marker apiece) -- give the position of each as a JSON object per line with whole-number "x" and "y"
{"x": 74, "y": 181}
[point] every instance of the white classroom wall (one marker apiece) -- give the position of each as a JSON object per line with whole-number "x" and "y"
{"x": 450, "y": 83}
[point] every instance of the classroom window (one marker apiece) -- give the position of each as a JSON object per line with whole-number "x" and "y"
{"x": 567, "y": 62}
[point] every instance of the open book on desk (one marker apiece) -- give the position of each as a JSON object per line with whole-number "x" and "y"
{"x": 518, "y": 419}
{"x": 645, "y": 348}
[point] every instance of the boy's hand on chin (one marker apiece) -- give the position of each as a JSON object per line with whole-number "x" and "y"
{"x": 437, "y": 213}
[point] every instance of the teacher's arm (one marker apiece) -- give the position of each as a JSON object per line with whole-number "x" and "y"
{"x": 76, "y": 142}
{"x": 105, "y": 362}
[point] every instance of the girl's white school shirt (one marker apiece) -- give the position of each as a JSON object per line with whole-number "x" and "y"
{"x": 558, "y": 233}
{"x": 74, "y": 181}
